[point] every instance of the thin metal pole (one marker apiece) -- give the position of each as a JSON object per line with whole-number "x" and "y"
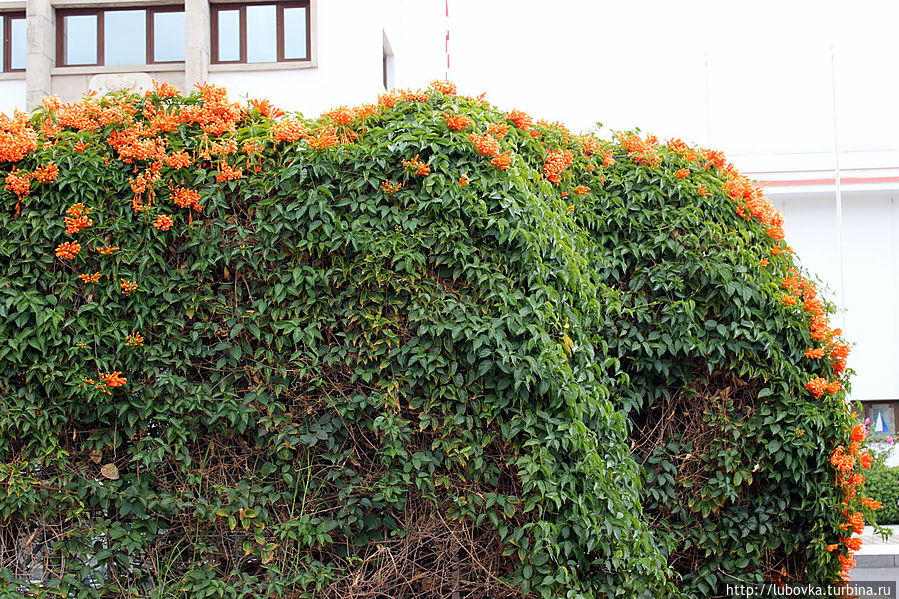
{"x": 708, "y": 105}
{"x": 836, "y": 156}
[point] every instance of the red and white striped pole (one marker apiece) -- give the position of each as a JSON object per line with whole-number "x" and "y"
{"x": 446, "y": 43}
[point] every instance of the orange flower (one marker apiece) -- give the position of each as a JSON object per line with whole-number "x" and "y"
{"x": 444, "y": 87}
{"x": 107, "y": 250}
{"x": 17, "y": 137}
{"x": 80, "y": 147}
{"x": 179, "y": 160}
{"x": 817, "y": 386}
{"x": 19, "y": 182}
{"x": 163, "y": 222}
{"x": 556, "y": 163}
{"x": 703, "y": 191}
{"x": 581, "y": 190}
{"x": 390, "y": 188}
{"x": 521, "y": 119}
{"x": 288, "y": 130}
{"x": 228, "y": 173}
{"x": 788, "y": 300}
{"x": 502, "y": 161}
{"x": 858, "y": 433}
{"x": 456, "y": 123}
{"x": 852, "y": 543}
{"x": 682, "y": 173}
{"x": 834, "y": 387}
{"x": 68, "y": 250}
{"x": 267, "y": 109}
{"x": 865, "y": 459}
{"x": 815, "y": 353}
{"x": 46, "y": 173}
{"x": 485, "y": 144}
{"x": 498, "y": 130}
{"x": 416, "y": 167}
{"x": 764, "y": 262}
{"x": 113, "y": 379}
{"x": 134, "y": 340}
{"x": 833, "y": 547}
{"x": 463, "y": 180}
{"x": 185, "y": 198}
{"x": 164, "y": 89}
{"x": 871, "y": 503}
{"x": 94, "y": 278}
{"x": 128, "y": 287}
{"x": 326, "y": 138}
{"x": 341, "y": 116}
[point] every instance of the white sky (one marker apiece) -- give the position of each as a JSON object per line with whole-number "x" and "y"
{"x": 643, "y": 64}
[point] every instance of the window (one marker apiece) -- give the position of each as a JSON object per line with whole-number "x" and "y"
{"x": 14, "y": 49}
{"x": 881, "y": 417}
{"x": 260, "y": 32}
{"x": 120, "y": 37}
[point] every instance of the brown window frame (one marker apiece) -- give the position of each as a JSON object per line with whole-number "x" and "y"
{"x": 6, "y": 67}
{"x": 217, "y": 7}
{"x": 150, "y": 11}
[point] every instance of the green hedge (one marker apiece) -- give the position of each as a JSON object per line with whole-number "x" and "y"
{"x": 407, "y": 350}
{"x": 882, "y": 484}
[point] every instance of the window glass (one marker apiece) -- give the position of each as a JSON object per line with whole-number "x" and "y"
{"x": 262, "y": 33}
{"x": 80, "y": 39}
{"x": 229, "y": 35}
{"x": 125, "y": 37}
{"x": 168, "y": 37}
{"x": 882, "y": 418}
{"x": 295, "y": 33}
{"x": 18, "y": 44}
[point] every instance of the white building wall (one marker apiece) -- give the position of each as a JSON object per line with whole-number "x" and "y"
{"x": 348, "y": 71}
{"x": 12, "y": 95}
{"x": 870, "y": 270}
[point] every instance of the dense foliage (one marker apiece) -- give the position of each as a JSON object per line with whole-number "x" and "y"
{"x": 406, "y": 350}
{"x": 882, "y": 484}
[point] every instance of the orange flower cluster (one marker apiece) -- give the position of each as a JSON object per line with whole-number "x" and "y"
{"x": 703, "y": 191}
{"x": 815, "y": 353}
{"x": 416, "y": 167}
{"x": 326, "y": 138}
{"x": 215, "y": 115}
{"x": 68, "y": 250}
{"x": 682, "y": 173}
{"x": 486, "y": 145}
{"x": 113, "y": 379}
{"x": 267, "y": 109}
{"x": 390, "y": 188}
{"x": 498, "y": 130}
{"x": 163, "y": 222}
{"x": 464, "y": 180}
{"x": 608, "y": 158}
{"x": 713, "y": 158}
{"x": 289, "y": 130}
{"x": 186, "y": 198}
{"x": 556, "y": 163}
{"x": 134, "y": 340}
{"x": 88, "y": 278}
{"x": 502, "y": 161}
{"x": 179, "y": 160}
{"x": 641, "y": 151}
{"x": 128, "y": 287}
{"x": 764, "y": 262}
{"x": 458, "y": 122}
{"x": 521, "y": 119}
{"x": 228, "y": 173}
{"x": 366, "y": 110}
{"x": 77, "y": 219}
{"x": 444, "y": 87}
{"x": 137, "y": 142}
{"x": 19, "y": 182}
{"x": 107, "y": 250}
{"x": 46, "y": 173}
{"x": 164, "y": 89}
{"x": 17, "y": 137}
{"x": 581, "y": 190}
{"x": 682, "y": 149}
{"x": 589, "y": 144}
{"x": 341, "y": 116}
